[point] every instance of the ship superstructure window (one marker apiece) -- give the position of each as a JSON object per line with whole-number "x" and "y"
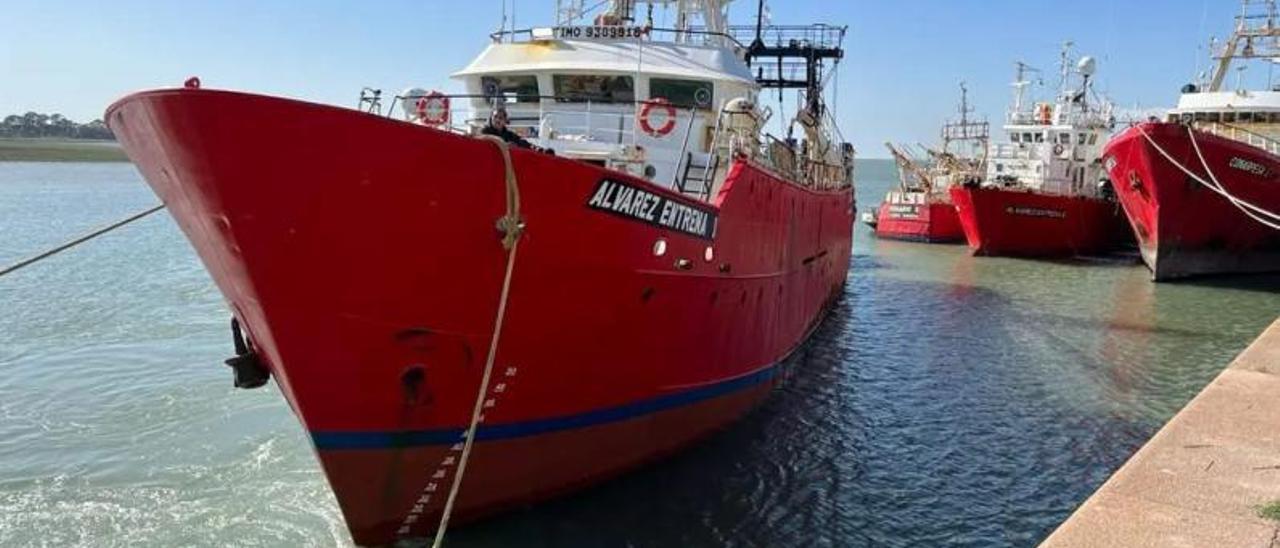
{"x": 1040, "y": 137}
{"x": 602, "y": 88}
{"x": 1227, "y": 117}
{"x": 1082, "y": 138}
{"x": 1244, "y": 118}
{"x": 1215, "y": 117}
{"x": 682, "y": 93}
{"x": 1015, "y": 138}
{"x": 1026, "y": 137}
{"x": 1093, "y": 139}
{"x": 518, "y": 88}
{"x": 1064, "y": 138}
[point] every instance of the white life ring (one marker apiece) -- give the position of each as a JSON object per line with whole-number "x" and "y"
{"x": 432, "y": 109}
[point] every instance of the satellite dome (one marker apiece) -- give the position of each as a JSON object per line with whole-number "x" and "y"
{"x": 1087, "y": 66}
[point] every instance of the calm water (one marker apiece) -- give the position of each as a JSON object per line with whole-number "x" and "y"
{"x": 947, "y": 401}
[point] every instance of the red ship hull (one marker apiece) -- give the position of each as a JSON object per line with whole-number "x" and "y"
{"x": 914, "y": 217}
{"x": 1017, "y": 223}
{"x": 1183, "y": 227}
{"x": 361, "y": 256}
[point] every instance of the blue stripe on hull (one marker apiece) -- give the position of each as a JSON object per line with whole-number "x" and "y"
{"x": 329, "y": 441}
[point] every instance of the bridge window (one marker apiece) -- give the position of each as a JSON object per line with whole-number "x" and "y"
{"x": 1228, "y": 117}
{"x": 682, "y": 93}
{"x": 1093, "y": 139}
{"x": 1199, "y": 117}
{"x": 1026, "y": 137}
{"x": 1082, "y": 138}
{"x": 1014, "y": 137}
{"x": 1040, "y": 137}
{"x": 600, "y": 88}
{"x": 1064, "y": 138}
{"x": 1215, "y": 117}
{"x": 519, "y": 88}
{"x": 1245, "y": 117}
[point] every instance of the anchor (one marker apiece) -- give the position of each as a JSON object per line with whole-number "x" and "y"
{"x": 246, "y": 366}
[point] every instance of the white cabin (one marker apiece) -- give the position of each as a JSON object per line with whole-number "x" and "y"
{"x": 579, "y": 97}
{"x": 1055, "y": 148}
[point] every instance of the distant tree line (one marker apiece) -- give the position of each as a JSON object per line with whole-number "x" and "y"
{"x": 35, "y": 124}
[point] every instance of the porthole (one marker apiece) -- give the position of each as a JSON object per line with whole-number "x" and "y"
{"x": 659, "y": 247}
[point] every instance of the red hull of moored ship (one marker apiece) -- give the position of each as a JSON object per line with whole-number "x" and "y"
{"x": 1183, "y": 227}
{"x": 361, "y": 256}
{"x": 1028, "y": 224}
{"x": 933, "y": 222}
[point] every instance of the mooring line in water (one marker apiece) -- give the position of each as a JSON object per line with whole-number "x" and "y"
{"x": 79, "y": 240}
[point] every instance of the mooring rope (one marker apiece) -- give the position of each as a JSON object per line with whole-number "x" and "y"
{"x": 80, "y": 240}
{"x": 1240, "y": 204}
{"x": 511, "y": 226}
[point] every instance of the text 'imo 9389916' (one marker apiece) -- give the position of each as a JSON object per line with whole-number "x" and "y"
{"x": 599, "y": 258}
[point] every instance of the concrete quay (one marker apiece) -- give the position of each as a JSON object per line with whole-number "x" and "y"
{"x": 1205, "y": 477}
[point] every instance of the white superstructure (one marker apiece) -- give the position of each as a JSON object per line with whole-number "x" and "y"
{"x": 1250, "y": 116}
{"x": 671, "y": 105}
{"x": 1054, "y": 147}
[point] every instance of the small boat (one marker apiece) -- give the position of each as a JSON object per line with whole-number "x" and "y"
{"x": 920, "y": 209}
{"x": 1200, "y": 188}
{"x": 1041, "y": 196}
{"x": 591, "y": 259}
{"x": 869, "y": 219}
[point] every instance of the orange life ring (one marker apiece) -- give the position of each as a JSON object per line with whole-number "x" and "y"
{"x": 1046, "y": 113}
{"x": 432, "y": 109}
{"x": 647, "y": 110}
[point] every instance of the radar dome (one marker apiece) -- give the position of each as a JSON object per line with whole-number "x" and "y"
{"x": 1087, "y": 66}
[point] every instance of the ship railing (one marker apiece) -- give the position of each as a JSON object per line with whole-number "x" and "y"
{"x": 1257, "y": 139}
{"x": 553, "y": 117}
{"x": 605, "y": 132}
{"x": 1012, "y": 151}
{"x": 786, "y": 158}
{"x": 818, "y": 36}
{"x": 692, "y": 36}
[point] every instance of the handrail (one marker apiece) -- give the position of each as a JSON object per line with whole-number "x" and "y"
{"x": 498, "y": 36}
{"x": 552, "y": 98}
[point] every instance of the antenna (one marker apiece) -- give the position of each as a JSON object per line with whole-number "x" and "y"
{"x": 759, "y": 21}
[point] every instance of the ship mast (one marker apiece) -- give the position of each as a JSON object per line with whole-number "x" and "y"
{"x": 1020, "y": 84}
{"x": 1256, "y": 29}
{"x": 964, "y": 130}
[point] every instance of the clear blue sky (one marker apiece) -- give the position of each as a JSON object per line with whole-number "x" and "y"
{"x": 898, "y": 81}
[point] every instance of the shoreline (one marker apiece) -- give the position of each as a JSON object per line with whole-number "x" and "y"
{"x": 60, "y": 150}
{"x": 1207, "y": 478}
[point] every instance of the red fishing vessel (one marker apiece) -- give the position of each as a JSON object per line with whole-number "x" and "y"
{"x": 463, "y": 324}
{"x": 1199, "y": 189}
{"x": 920, "y": 209}
{"x": 1041, "y": 196}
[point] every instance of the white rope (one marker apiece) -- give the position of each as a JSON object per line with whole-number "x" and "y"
{"x": 512, "y": 226}
{"x": 1240, "y": 204}
{"x": 1215, "y": 186}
